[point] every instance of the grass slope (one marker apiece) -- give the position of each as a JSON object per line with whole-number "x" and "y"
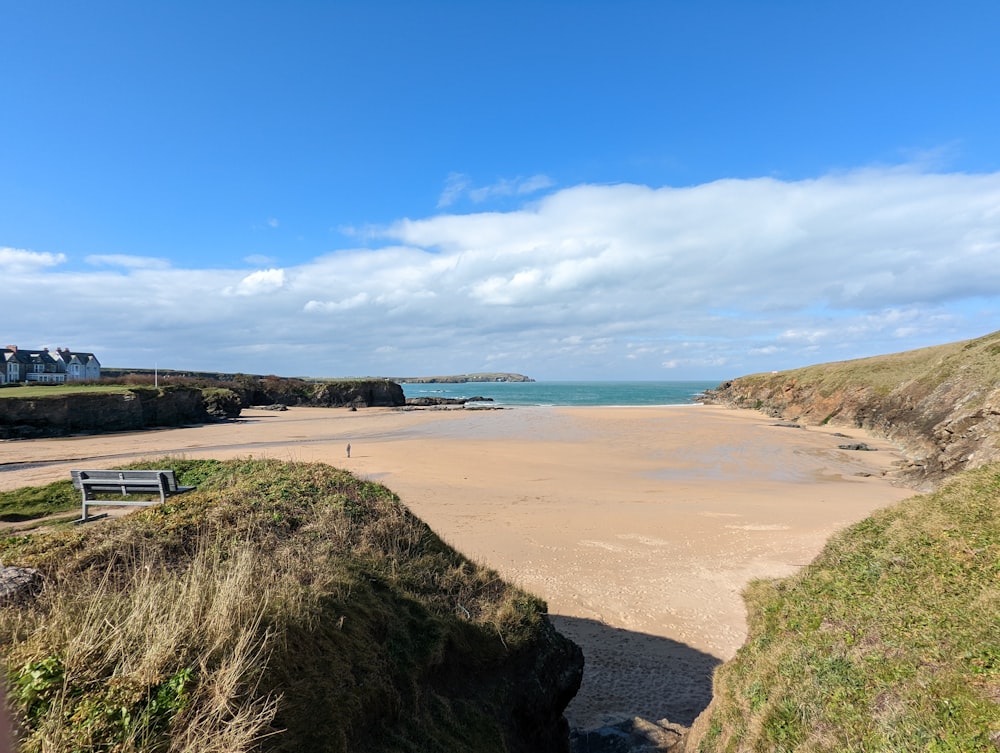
{"x": 58, "y": 390}
{"x": 280, "y": 607}
{"x": 888, "y": 641}
{"x": 976, "y": 360}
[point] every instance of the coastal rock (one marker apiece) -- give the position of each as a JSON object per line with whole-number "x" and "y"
{"x": 221, "y": 404}
{"x": 943, "y": 413}
{"x": 359, "y": 393}
{"x": 628, "y": 735}
{"x": 19, "y": 584}
{"x": 428, "y": 401}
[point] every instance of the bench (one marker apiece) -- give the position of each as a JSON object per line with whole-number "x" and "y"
{"x": 95, "y": 486}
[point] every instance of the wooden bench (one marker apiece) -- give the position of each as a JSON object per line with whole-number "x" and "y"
{"x": 95, "y": 486}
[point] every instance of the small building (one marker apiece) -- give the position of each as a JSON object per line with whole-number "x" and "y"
{"x": 42, "y": 367}
{"x": 79, "y": 366}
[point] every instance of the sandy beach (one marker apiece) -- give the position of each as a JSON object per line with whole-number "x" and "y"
{"x": 639, "y": 526}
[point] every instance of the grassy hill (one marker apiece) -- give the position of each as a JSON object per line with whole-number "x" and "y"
{"x": 280, "y": 607}
{"x": 888, "y": 641}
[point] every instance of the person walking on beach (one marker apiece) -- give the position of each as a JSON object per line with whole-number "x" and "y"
{"x": 348, "y": 449}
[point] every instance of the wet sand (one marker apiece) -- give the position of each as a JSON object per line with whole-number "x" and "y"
{"x": 639, "y": 526}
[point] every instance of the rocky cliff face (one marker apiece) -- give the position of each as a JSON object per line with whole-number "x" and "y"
{"x": 940, "y": 406}
{"x": 139, "y": 407}
{"x": 73, "y": 413}
{"x": 360, "y": 393}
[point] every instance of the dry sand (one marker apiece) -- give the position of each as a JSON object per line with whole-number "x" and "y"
{"x": 639, "y": 526}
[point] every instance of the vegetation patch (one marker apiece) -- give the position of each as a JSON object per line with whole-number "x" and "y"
{"x": 57, "y": 390}
{"x": 280, "y": 607}
{"x": 888, "y": 641}
{"x": 972, "y": 360}
{"x": 34, "y": 502}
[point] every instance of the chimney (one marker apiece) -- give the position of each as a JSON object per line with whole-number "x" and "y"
{"x": 12, "y": 347}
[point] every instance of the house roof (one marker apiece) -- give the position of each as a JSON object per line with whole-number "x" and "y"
{"x": 43, "y": 355}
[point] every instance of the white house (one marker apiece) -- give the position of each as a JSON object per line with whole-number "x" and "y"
{"x": 79, "y": 366}
{"x": 41, "y": 366}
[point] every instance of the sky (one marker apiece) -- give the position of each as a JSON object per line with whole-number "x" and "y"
{"x": 568, "y": 190}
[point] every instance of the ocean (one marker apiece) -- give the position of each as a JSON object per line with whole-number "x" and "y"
{"x": 567, "y": 393}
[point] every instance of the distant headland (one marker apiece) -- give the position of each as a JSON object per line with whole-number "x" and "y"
{"x": 462, "y": 378}
{"x": 481, "y": 376}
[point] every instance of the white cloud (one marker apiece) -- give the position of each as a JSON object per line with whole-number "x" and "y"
{"x": 18, "y": 260}
{"x": 259, "y": 260}
{"x": 261, "y": 282}
{"x": 455, "y": 185}
{"x": 458, "y": 186}
{"x": 129, "y": 262}
{"x": 618, "y": 281}
{"x": 510, "y": 187}
{"x": 325, "y": 307}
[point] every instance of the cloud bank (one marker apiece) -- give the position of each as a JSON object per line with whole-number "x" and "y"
{"x": 616, "y": 281}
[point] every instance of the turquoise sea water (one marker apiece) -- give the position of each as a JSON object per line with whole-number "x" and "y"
{"x": 567, "y": 393}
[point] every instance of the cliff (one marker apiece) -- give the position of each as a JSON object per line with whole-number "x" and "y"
{"x": 133, "y": 408}
{"x": 939, "y": 405}
{"x": 278, "y": 607}
{"x": 183, "y": 401}
{"x": 359, "y": 393}
{"x": 267, "y": 390}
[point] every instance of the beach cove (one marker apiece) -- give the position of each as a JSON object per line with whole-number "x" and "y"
{"x": 638, "y": 525}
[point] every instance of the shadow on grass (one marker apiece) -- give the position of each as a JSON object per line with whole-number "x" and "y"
{"x": 634, "y": 674}
{"x": 16, "y": 517}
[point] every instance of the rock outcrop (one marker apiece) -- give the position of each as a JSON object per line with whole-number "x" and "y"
{"x": 61, "y": 414}
{"x": 139, "y": 406}
{"x": 940, "y": 406}
{"x": 424, "y": 402}
{"x": 359, "y": 393}
{"x": 19, "y": 584}
{"x": 629, "y": 735}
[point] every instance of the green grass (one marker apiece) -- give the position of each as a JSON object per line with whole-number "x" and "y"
{"x": 889, "y": 641}
{"x": 34, "y": 502}
{"x": 279, "y": 607}
{"x": 972, "y": 360}
{"x": 51, "y": 390}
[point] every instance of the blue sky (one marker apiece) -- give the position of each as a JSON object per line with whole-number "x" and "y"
{"x": 633, "y": 190}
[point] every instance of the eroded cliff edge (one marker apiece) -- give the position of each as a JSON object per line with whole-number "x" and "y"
{"x": 135, "y": 407}
{"x": 939, "y": 405}
{"x": 279, "y": 607}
